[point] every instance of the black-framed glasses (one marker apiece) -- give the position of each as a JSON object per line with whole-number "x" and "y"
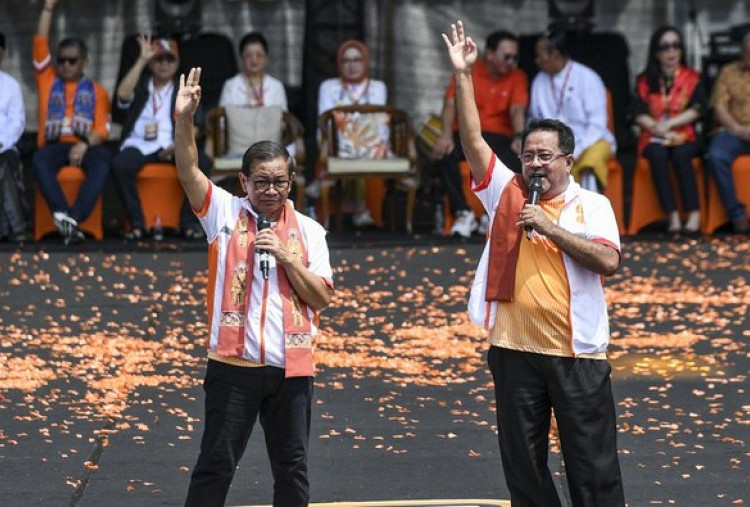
{"x": 354, "y": 59}
{"x": 265, "y": 185}
{"x": 544, "y": 157}
{"x": 510, "y": 58}
{"x": 666, "y": 46}
{"x": 62, "y": 60}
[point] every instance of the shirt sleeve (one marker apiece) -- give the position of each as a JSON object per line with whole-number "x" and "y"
{"x": 101, "y": 113}
{"x": 16, "y": 117}
{"x": 217, "y": 208}
{"x": 601, "y": 224}
{"x": 378, "y": 93}
{"x": 325, "y": 101}
{"x": 720, "y": 95}
{"x": 520, "y": 92}
{"x": 595, "y": 105}
{"x": 318, "y": 257}
{"x": 489, "y": 190}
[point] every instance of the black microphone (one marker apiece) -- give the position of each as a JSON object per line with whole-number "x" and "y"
{"x": 535, "y": 192}
{"x": 264, "y": 223}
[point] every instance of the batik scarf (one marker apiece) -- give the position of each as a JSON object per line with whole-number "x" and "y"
{"x": 84, "y": 104}
{"x": 235, "y": 303}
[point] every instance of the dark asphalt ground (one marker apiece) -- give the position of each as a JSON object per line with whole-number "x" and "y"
{"x": 101, "y": 367}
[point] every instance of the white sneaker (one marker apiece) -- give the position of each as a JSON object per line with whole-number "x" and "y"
{"x": 363, "y": 219}
{"x": 484, "y": 225}
{"x": 464, "y": 224}
{"x": 68, "y": 227}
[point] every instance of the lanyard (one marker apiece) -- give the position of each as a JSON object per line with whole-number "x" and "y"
{"x": 257, "y": 93}
{"x": 157, "y": 98}
{"x": 558, "y": 99}
{"x": 353, "y": 101}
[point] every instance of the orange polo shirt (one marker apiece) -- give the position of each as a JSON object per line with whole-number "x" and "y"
{"x": 45, "y": 76}
{"x": 538, "y": 318}
{"x": 494, "y": 97}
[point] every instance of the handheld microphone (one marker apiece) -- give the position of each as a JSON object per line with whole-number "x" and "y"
{"x": 264, "y": 223}
{"x": 535, "y": 192}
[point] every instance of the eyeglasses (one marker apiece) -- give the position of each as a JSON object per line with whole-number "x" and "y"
{"x": 544, "y": 157}
{"x": 62, "y": 60}
{"x": 666, "y": 46}
{"x": 510, "y": 58}
{"x": 265, "y": 185}
{"x": 355, "y": 59}
{"x": 165, "y": 58}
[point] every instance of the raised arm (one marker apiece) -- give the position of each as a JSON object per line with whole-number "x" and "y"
{"x": 45, "y": 18}
{"x": 128, "y": 83}
{"x": 463, "y": 54}
{"x": 193, "y": 181}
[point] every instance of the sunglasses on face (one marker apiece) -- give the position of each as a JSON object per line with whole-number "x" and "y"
{"x": 63, "y": 60}
{"x": 165, "y": 59}
{"x": 666, "y": 46}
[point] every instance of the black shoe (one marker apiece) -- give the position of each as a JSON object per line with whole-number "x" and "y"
{"x": 134, "y": 234}
{"x": 20, "y": 237}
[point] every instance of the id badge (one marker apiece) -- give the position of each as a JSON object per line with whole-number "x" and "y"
{"x": 151, "y": 131}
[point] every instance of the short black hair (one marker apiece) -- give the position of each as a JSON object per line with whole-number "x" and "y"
{"x": 263, "y": 151}
{"x": 495, "y": 38}
{"x": 559, "y": 39}
{"x": 253, "y": 38}
{"x": 74, "y": 42}
{"x": 566, "y": 140}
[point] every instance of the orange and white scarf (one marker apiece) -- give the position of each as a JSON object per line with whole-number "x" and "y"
{"x": 235, "y": 303}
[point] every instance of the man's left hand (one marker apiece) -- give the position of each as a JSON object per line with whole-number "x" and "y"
{"x": 76, "y": 154}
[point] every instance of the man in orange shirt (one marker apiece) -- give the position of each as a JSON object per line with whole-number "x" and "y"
{"x": 73, "y": 116}
{"x": 502, "y": 95}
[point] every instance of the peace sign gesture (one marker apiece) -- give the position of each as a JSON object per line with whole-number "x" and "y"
{"x": 461, "y": 49}
{"x": 189, "y": 94}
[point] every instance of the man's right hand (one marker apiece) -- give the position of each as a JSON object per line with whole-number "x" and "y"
{"x": 443, "y": 146}
{"x": 147, "y": 48}
{"x": 461, "y": 49}
{"x": 189, "y": 94}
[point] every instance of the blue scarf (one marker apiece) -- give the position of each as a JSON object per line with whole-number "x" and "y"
{"x": 83, "y": 109}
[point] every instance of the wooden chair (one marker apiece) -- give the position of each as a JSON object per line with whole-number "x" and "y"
{"x": 645, "y": 207}
{"x": 70, "y": 179}
{"x": 161, "y": 195}
{"x": 402, "y": 166}
{"x": 714, "y": 215}
{"x": 228, "y": 166}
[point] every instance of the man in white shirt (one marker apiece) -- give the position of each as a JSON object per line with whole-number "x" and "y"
{"x": 12, "y": 121}
{"x": 145, "y": 107}
{"x": 569, "y": 91}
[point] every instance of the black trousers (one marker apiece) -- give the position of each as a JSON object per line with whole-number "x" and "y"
{"x": 682, "y": 160}
{"x": 527, "y": 387}
{"x": 12, "y": 219}
{"x": 235, "y": 398}
{"x": 451, "y": 174}
{"x": 125, "y": 168}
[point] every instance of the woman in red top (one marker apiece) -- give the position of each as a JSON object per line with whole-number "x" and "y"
{"x": 669, "y": 101}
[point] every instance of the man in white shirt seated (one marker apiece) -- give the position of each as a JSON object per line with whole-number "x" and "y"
{"x": 145, "y": 107}
{"x": 569, "y": 91}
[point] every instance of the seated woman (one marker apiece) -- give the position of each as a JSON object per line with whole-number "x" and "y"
{"x": 353, "y": 87}
{"x": 253, "y": 87}
{"x": 669, "y": 101}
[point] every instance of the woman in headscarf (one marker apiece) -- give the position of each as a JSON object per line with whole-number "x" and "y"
{"x": 353, "y": 86}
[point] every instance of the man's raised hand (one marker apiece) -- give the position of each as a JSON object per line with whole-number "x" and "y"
{"x": 189, "y": 94}
{"x": 461, "y": 49}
